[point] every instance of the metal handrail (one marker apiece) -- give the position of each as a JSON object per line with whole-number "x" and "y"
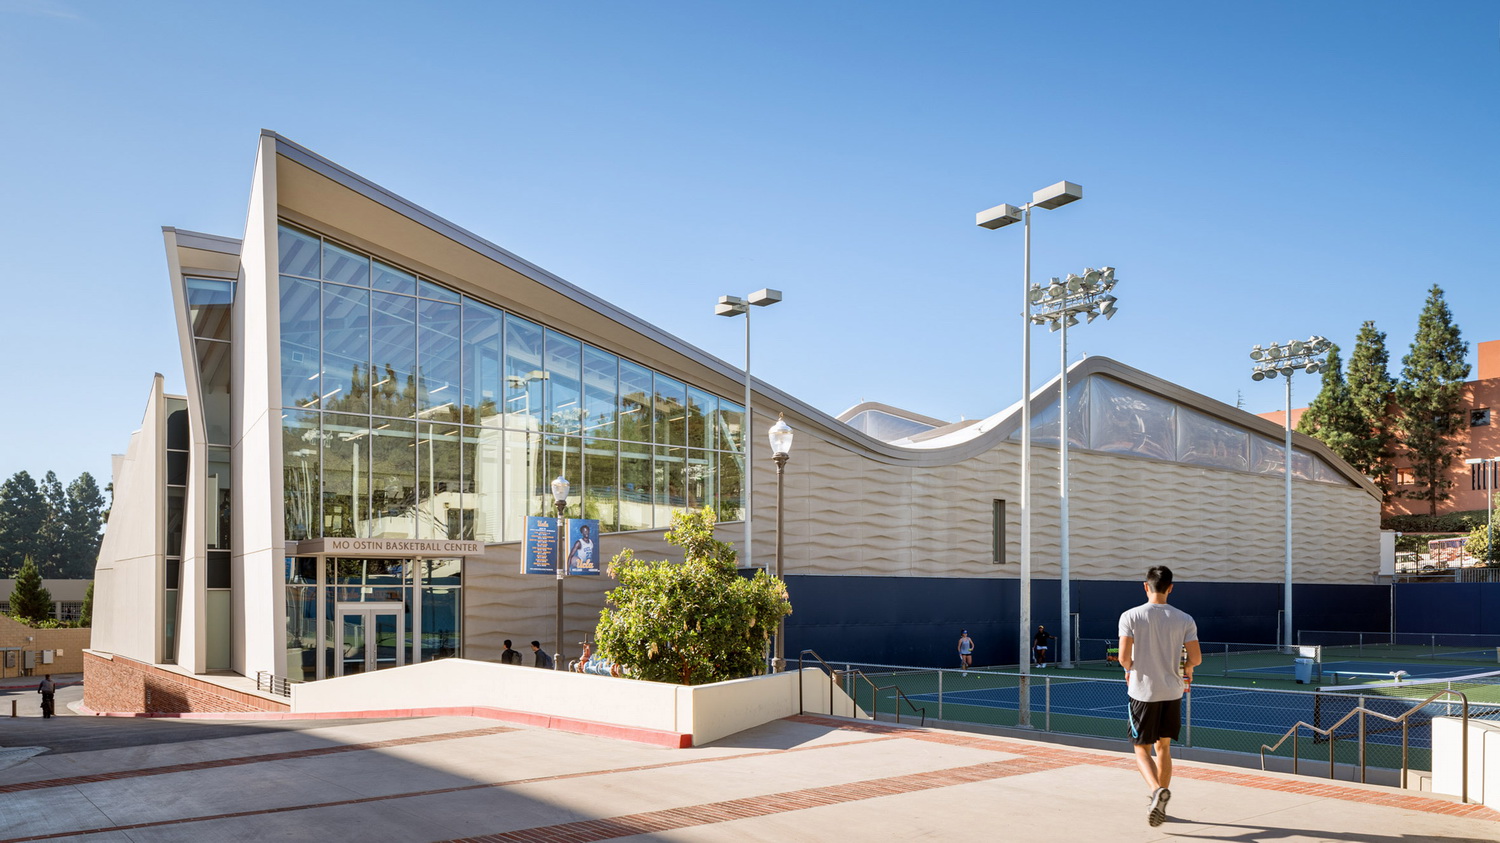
{"x": 901, "y": 697}
{"x": 271, "y": 683}
{"x": 1361, "y": 711}
{"x": 874, "y": 690}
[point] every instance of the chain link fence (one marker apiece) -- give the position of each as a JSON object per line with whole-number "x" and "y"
{"x": 1220, "y": 717}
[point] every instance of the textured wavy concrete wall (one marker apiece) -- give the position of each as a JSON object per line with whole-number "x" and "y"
{"x": 851, "y": 515}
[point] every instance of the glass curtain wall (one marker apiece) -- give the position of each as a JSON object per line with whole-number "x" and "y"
{"x": 410, "y": 411}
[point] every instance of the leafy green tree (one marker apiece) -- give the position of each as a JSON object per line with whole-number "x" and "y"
{"x": 30, "y": 602}
{"x": 1370, "y": 391}
{"x": 23, "y": 516}
{"x": 1429, "y": 394}
{"x": 1477, "y": 544}
{"x": 1332, "y": 416}
{"x": 86, "y": 617}
{"x": 690, "y": 623}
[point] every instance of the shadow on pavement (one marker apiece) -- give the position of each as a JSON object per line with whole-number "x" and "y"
{"x": 1258, "y": 833}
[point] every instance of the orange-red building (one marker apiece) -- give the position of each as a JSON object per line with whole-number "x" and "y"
{"x": 1478, "y": 438}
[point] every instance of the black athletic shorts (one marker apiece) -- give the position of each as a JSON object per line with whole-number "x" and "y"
{"x": 1152, "y": 721}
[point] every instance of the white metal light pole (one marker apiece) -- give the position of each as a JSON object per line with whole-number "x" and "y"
{"x": 781, "y": 450}
{"x": 1000, "y": 216}
{"x": 734, "y": 306}
{"x": 560, "y": 501}
{"x": 1487, "y": 465}
{"x": 1059, "y": 305}
{"x": 1284, "y": 360}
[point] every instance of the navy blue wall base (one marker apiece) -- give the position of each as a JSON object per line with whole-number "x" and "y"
{"x": 917, "y": 621}
{"x": 1457, "y": 608}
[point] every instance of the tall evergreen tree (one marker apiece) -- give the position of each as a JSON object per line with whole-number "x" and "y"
{"x": 82, "y": 522}
{"x": 1371, "y": 390}
{"x": 1332, "y": 417}
{"x": 53, "y": 559}
{"x": 29, "y": 601}
{"x": 1432, "y": 380}
{"x": 23, "y": 514}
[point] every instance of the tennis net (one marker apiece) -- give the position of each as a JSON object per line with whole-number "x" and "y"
{"x": 1396, "y": 697}
{"x": 1399, "y": 646}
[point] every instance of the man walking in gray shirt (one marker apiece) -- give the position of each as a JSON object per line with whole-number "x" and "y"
{"x": 1152, "y": 639}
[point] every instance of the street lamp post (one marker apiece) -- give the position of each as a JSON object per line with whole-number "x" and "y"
{"x": 1000, "y": 216}
{"x": 781, "y": 451}
{"x": 1487, "y": 465}
{"x": 734, "y": 306}
{"x": 1059, "y": 305}
{"x": 1283, "y": 360}
{"x": 560, "y": 501}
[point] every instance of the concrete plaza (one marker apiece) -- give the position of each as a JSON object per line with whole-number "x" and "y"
{"x": 802, "y": 778}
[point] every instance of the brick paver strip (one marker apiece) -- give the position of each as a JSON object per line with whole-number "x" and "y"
{"x": 650, "y": 822}
{"x": 191, "y": 766}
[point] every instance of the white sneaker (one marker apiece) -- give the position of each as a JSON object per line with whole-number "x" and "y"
{"x": 1158, "y": 807}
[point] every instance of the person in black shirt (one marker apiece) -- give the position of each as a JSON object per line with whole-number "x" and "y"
{"x": 1039, "y": 647}
{"x": 509, "y": 656}
{"x": 542, "y": 659}
{"x": 47, "y": 688}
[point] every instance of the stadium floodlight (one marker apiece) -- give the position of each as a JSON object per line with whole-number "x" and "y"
{"x": 1282, "y": 360}
{"x": 1048, "y": 198}
{"x": 998, "y": 217}
{"x": 734, "y": 306}
{"x": 1061, "y": 303}
{"x": 1057, "y": 195}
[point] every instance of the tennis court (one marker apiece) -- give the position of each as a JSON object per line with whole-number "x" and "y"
{"x": 1236, "y": 718}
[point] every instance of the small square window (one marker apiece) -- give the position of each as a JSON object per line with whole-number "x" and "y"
{"x": 1479, "y": 417}
{"x": 1404, "y": 477}
{"x": 998, "y": 534}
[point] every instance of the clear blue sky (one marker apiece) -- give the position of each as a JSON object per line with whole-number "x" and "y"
{"x": 1256, "y": 171}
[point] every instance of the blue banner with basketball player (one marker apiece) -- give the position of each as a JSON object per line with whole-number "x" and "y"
{"x": 539, "y": 550}
{"x": 583, "y": 547}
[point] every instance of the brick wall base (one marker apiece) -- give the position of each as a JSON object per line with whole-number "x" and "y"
{"x": 67, "y": 646}
{"x": 118, "y": 684}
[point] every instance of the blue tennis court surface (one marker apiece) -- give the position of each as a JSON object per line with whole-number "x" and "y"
{"x": 1267, "y": 713}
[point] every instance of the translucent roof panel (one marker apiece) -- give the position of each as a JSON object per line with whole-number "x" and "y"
{"x": 1114, "y": 417}
{"x": 1205, "y": 440}
{"x": 887, "y": 427}
{"x": 1126, "y": 420}
{"x": 1045, "y": 429}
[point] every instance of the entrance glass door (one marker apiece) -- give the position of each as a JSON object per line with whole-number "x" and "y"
{"x": 371, "y": 637}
